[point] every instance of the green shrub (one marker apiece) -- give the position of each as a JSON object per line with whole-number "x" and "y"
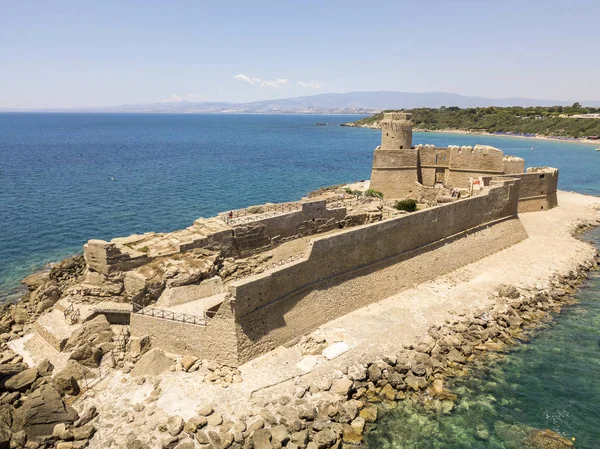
{"x": 356, "y": 193}
{"x": 373, "y": 193}
{"x": 144, "y": 249}
{"x": 408, "y": 205}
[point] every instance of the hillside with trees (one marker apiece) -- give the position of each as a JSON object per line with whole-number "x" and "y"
{"x": 555, "y": 121}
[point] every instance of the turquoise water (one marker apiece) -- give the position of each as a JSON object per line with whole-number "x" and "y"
{"x": 66, "y": 178}
{"x": 552, "y": 382}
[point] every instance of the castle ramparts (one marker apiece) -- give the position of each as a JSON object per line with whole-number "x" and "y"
{"x": 401, "y": 170}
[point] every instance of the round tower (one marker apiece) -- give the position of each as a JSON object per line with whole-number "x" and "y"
{"x": 396, "y": 131}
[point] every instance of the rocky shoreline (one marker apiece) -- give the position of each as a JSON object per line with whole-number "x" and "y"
{"x": 43, "y": 407}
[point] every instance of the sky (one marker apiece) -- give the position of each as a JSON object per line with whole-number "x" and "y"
{"x": 60, "y": 54}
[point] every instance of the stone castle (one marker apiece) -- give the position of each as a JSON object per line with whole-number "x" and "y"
{"x": 236, "y": 286}
{"x": 402, "y": 170}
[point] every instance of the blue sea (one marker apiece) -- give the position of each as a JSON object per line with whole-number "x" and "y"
{"x": 66, "y": 178}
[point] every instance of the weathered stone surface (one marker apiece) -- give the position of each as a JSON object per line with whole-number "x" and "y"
{"x": 280, "y": 433}
{"x": 41, "y": 411}
{"x": 89, "y": 414}
{"x": 35, "y": 280}
{"x": 20, "y": 315}
{"x": 508, "y": 291}
{"x": 10, "y": 369}
{"x": 95, "y": 331}
{"x": 325, "y": 438}
{"x": 87, "y": 355}
{"x": 351, "y": 435}
{"x": 175, "y": 425}
{"x": 374, "y": 373}
{"x": 415, "y": 382}
{"x": 45, "y": 368}
{"x": 153, "y": 363}
{"x": 22, "y": 381}
{"x": 261, "y": 439}
{"x": 194, "y": 424}
{"x": 84, "y": 432}
{"x": 187, "y": 361}
{"x": 139, "y": 345}
{"x": 369, "y": 413}
{"x": 5, "y": 435}
{"x": 388, "y": 392}
{"x": 341, "y": 386}
{"x": 205, "y": 410}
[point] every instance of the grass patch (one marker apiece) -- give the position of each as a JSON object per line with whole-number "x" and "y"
{"x": 408, "y": 205}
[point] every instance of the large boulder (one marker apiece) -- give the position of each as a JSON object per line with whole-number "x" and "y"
{"x": 153, "y": 363}
{"x": 87, "y": 355}
{"x": 5, "y": 436}
{"x": 66, "y": 380}
{"x": 10, "y": 369}
{"x": 41, "y": 411}
{"x": 22, "y": 381}
{"x": 35, "y": 280}
{"x": 95, "y": 331}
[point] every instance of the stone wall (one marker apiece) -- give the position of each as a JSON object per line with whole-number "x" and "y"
{"x": 358, "y": 266}
{"x": 395, "y": 172}
{"x": 537, "y": 189}
{"x": 237, "y": 240}
{"x": 215, "y": 341}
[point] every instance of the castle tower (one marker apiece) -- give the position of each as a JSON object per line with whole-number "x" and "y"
{"x": 396, "y": 131}
{"x": 395, "y": 162}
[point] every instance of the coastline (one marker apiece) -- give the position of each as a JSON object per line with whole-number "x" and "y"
{"x": 403, "y": 348}
{"x": 483, "y": 133}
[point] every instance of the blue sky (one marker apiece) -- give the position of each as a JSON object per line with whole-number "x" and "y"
{"x": 92, "y": 53}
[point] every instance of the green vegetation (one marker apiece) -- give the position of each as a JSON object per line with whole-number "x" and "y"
{"x": 373, "y": 193}
{"x": 408, "y": 205}
{"x": 546, "y": 121}
{"x": 144, "y": 249}
{"x": 356, "y": 193}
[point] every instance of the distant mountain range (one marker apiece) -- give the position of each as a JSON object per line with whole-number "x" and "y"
{"x": 346, "y": 103}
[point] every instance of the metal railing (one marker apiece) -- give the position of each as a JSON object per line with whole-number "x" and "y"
{"x": 72, "y": 314}
{"x": 174, "y": 316}
{"x": 92, "y": 376}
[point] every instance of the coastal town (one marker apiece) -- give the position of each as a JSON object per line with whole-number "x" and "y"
{"x": 297, "y": 324}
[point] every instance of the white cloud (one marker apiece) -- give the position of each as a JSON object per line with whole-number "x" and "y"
{"x": 311, "y": 84}
{"x": 178, "y": 98}
{"x": 275, "y": 84}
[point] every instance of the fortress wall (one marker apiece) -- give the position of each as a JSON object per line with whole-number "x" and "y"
{"x": 313, "y": 218}
{"x": 105, "y": 257}
{"x": 215, "y": 341}
{"x": 537, "y": 189}
{"x": 301, "y": 312}
{"x": 477, "y": 159}
{"x": 355, "y": 247}
{"x": 353, "y": 268}
{"x": 513, "y": 165}
{"x": 432, "y": 160}
{"x": 395, "y": 172}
